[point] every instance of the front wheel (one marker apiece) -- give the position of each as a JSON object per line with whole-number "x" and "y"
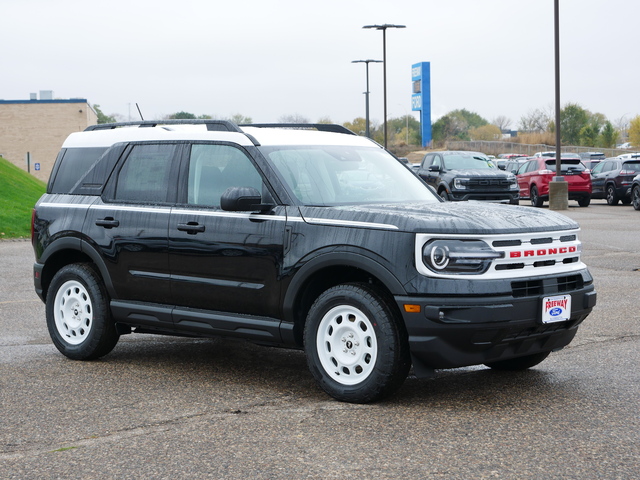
{"x": 356, "y": 349}
{"x": 78, "y": 316}
{"x": 519, "y": 363}
{"x": 635, "y": 197}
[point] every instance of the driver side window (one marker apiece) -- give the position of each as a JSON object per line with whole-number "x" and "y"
{"x": 214, "y": 168}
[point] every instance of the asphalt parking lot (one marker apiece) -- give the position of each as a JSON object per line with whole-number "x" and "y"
{"x": 164, "y": 407}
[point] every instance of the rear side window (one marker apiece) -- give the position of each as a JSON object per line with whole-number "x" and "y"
{"x": 72, "y": 164}
{"x": 146, "y": 174}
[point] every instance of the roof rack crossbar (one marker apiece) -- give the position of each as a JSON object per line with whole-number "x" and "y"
{"x": 322, "y": 127}
{"x": 212, "y": 125}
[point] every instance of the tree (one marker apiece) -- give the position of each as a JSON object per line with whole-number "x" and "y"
{"x": 102, "y": 118}
{"x": 240, "y": 119}
{"x": 295, "y": 118}
{"x": 456, "y": 125}
{"x": 609, "y": 136}
{"x": 486, "y": 133}
{"x": 573, "y": 118}
{"x": 182, "y": 116}
{"x": 535, "y": 121}
{"x": 502, "y": 122}
{"x": 634, "y": 131}
{"x": 588, "y": 136}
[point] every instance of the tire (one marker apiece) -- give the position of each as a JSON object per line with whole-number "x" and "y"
{"x": 584, "y": 201}
{"x": 356, "y": 348}
{"x": 444, "y": 195}
{"x": 635, "y": 197}
{"x": 519, "y": 363}
{"x": 612, "y": 196}
{"x": 78, "y": 316}
{"x": 514, "y": 201}
{"x": 536, "y": 201}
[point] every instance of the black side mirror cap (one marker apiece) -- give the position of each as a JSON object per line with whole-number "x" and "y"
{"x": 242, "y": 199}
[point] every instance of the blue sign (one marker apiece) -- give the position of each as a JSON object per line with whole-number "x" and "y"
{"x": 421, "y": 98}
{"x": 36, "y": 166}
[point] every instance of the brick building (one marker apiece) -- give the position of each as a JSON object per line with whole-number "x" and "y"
{"x": 40, "y": 127}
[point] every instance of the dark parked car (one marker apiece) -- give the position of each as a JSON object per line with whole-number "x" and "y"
{"x": 468, "y": 176}
{"x": 512, "y": 166}
{"x": 301, "y": 236}
{"x": 535, "y": 175}
{"x": 635, "y": 192}
{"x": 612, "y": 180}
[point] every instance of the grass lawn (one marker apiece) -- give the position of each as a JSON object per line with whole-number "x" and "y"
{"x": 19, "y": 192}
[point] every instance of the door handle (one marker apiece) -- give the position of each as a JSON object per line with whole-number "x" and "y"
{"x": 191, "y": 227}
{"x": 108, "y": 222}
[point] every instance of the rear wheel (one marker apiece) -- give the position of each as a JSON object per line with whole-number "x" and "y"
{"x": 536, "y": 201}
{"x": 356, "y": 349}
{"x": 612, "y": 196}
{"x": 78, "y": 316}
{"x": 584, "y": 201}
{"x": 519, "y": 363}
{"x": 635, "y": 197}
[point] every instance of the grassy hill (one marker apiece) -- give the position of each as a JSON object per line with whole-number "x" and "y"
{"x": 19, "y": 191}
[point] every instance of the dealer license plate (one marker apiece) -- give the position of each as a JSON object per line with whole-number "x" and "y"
{"x": 556, "y": 309}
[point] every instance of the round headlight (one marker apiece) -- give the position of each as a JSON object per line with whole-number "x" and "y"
{"x": 440, "y": 257}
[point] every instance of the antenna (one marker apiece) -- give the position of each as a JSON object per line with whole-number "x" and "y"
{"x": 139, "y": 112}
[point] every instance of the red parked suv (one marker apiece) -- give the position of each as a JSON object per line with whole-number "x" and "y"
{"x": 535, "y": 175}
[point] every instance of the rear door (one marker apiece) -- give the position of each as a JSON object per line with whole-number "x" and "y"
{"x": 129, "y": 224}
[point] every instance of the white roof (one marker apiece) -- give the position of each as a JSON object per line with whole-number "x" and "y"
{"x": 265, "y": 136}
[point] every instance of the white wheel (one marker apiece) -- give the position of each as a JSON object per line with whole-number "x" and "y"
{"x": 78, "y": 316}
{"x": 346, "y": 345}
{"x": 356, "y": 348}
{"x": 73, "y": 312}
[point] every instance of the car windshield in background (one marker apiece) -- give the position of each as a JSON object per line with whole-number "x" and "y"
{"x": 346, "y": 175}
{"x": 466, "y": 162}
{"x": 566, "y": 165}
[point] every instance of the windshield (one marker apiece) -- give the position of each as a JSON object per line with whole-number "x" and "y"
{"x": 339, "y": 175}
{"x": 466, "y": 162}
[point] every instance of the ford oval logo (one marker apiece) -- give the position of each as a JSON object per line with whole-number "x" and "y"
{"x": 554, "y": 312}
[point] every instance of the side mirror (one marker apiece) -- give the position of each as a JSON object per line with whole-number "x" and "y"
{"x": 242, "y": 199}
{"x": 434, "y": 168}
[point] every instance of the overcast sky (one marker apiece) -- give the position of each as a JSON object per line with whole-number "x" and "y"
{"x": 269, "y": 58}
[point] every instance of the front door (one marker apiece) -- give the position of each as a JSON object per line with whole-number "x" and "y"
{"x": 224, "y": 261}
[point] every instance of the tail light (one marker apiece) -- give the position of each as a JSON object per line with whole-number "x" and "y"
{"x": 546, "y": 172}
{"x": 33, "y": 222}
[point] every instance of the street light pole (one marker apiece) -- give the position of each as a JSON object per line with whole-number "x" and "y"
{"x": 366, "y": 94}
{"x": 558, "y": 187}
{"x": 384, "y": 67}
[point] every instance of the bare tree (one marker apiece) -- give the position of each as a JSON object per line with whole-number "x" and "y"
{"x": 502, "y": 122}
{"x": 295, "y": 118}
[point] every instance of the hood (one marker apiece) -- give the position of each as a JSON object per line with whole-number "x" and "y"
{"x": 479, "y": 172}
{"x": 445, "y": 218}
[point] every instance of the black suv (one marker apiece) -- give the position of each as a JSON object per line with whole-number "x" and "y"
{"x": 612, "y": 179}
{"x": 468, "y": 176}
{"x": 294, "y": 237}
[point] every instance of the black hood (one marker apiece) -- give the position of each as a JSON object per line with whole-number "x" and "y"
{"x": 448, "y": 217}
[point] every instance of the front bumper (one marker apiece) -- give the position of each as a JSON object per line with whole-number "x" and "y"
{"x": 451, "y": 332}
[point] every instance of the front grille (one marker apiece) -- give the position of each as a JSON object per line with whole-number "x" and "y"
{"x": 489, "y": 184}
{"x": 549, "y": 286}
